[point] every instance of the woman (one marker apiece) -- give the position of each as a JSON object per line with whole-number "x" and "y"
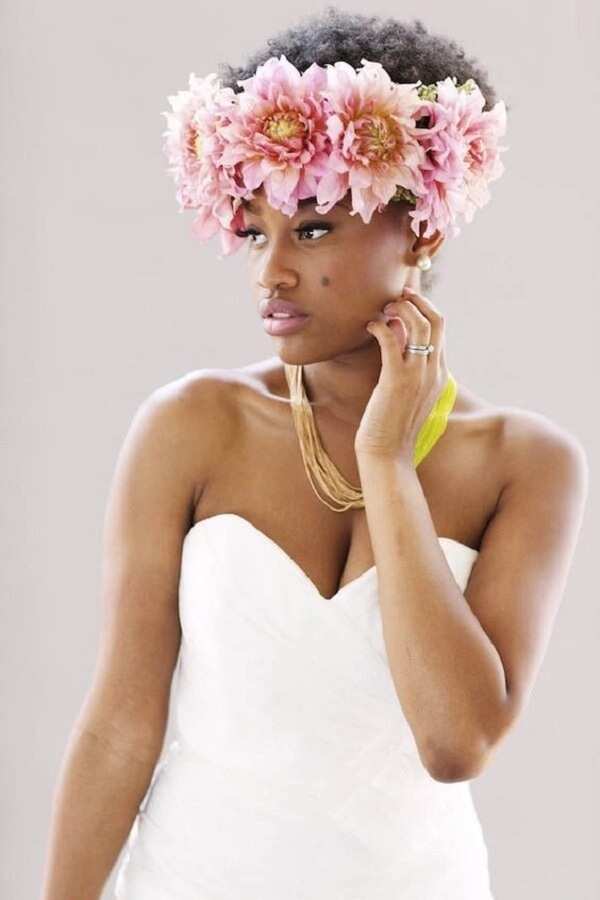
{"x": 359, "y": 560}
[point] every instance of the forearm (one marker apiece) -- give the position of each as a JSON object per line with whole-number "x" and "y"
{"x": 95, "y": 802}
{"x": 447, "y": 673}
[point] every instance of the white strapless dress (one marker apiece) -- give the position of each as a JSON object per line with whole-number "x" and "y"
{"x": 293, "y": 773}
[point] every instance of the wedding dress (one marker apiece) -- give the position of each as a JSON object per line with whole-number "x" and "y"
{"x": 293, "y": 773}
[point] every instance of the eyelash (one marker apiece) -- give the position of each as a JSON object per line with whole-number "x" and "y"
{"x": 308, "y": 226}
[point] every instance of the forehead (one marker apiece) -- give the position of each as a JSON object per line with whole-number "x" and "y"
{"x": 253, "y": 206}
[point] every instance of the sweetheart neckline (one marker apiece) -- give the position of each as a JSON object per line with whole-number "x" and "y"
{"x": 297, "y": 567}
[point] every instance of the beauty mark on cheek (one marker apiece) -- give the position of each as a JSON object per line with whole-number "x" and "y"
{"x": 325, "y": 281}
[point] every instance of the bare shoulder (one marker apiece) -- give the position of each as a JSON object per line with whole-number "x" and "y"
{"x": 542, "y": 497}
{"x": 532, "y": 442}
{"x": 208, "y": 390}
{"x": 209, "y": 402}
{"x": 503, "y": 456}
{"x": 202, "y": 406}
{"x": 522, "y": 438}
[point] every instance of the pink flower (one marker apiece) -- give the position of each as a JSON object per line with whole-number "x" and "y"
{"x": 372, "y": 129}
{"x": 462, "y": 156}
{"x": 193, "y": 146}
{"x": 328, "y": 131}
{"x": 277, "y": 135}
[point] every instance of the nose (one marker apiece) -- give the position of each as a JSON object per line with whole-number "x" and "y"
{"x": 275, "y": 270}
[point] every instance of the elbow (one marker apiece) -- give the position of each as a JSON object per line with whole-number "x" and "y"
{"x": 449, "y": 767}
{"x": 449, "y": 771}
{"x": 468, "y": 761}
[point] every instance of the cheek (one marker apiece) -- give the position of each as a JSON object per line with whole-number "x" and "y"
{"x": 349, "y": 286}
{"x": 379, "y": 274}
{"x": 361, "y": 285}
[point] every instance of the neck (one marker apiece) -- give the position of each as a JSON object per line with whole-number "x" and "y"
{"x": 342, "y": 386}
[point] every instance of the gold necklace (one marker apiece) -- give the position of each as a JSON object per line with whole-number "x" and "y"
{"x": 322, "y": 473}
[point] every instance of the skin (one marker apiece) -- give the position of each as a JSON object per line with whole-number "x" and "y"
{"x": 343, "y": 362}
{"x": 318, "y": 270}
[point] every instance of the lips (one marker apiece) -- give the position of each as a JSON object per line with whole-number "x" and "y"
{"x": 275, "y": 305}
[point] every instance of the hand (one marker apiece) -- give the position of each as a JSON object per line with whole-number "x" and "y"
{"x": 409, "y": 383}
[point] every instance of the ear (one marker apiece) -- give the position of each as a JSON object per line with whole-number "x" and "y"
{"x": 422, "y": 245}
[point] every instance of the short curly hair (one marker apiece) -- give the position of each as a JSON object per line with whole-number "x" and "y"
{"x": 406, "y": 50}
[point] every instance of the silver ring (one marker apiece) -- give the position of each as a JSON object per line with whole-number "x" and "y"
{"x": 423, "y": 349}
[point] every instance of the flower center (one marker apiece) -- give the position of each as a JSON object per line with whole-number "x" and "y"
{"x": 378, "y": 140}
{"x": 282, "y": 126}
{"x": 193, "y": 143}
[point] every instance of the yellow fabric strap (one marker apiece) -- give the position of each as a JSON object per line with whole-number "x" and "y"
{"x": 435, "y": 424}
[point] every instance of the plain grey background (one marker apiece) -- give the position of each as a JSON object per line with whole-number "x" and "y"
{"x": 106, "y": 296}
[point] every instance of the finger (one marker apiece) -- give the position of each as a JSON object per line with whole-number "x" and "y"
{"x": 424, "y": 304}
{"x": 419, "y": 326}
{"x": 414, "y": 318}
{"x": 419, "y": 333}
{"x": 391, "y": 340}
{"x": 404, "y": 306}
{"x": 437, "y": 322}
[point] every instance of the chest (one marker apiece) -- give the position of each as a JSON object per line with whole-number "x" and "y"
{"x": 262, "y": 478}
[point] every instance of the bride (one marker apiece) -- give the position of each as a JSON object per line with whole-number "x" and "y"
{"x": 356, "y": 559}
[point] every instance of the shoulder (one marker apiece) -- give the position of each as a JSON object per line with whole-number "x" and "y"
{"x": 532, "y": 442}
{"x": 209, "y": 404}
{"x": 523, "y": 438}
{"x": 546, "y": 473}
{"x": 526, "y": 461}
{"x": 200, "y": 399}
{"x": 192, "y": 419}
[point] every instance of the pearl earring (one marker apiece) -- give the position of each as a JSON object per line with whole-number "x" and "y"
{"x": 424, "y": 262}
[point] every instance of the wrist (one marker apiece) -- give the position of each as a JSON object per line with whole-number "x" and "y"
{"x": 383, "y": 459}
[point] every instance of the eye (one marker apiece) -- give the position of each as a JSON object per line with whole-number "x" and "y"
{"x": 302, "y": 229}
{"x": 313, "y": 226}
{"x": 247, "y": 232}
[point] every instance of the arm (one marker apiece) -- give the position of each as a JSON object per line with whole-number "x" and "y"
{"x": 96, "y": 799}
{"x": 464, "y": 665}
{"x": 118, "y": 736}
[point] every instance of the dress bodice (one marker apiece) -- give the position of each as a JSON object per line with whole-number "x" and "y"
{"x": 293, "y": 771}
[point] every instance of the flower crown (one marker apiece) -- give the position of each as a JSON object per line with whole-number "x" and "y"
{"x": 327, "y": 131}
